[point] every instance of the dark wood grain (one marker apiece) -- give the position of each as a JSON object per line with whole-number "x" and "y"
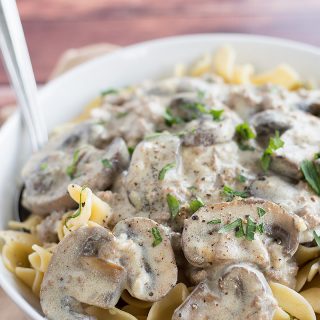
{"x": 51, "y": 27}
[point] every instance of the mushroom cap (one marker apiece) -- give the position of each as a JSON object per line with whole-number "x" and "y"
{"x": 81, "y": 271}
{"x": 46, "y": 188}
{"x": 238, "y": 291}
{"x": 152, "y": 270}
{"x": 203, "y": 245}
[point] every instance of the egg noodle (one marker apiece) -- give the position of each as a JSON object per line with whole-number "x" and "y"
{"x": 28, "y": 258}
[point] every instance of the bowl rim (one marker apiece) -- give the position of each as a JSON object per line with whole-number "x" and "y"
{"x": 13, "y": 294}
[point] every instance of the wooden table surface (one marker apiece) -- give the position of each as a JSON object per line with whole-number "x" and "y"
{"x": 51, "y": 27}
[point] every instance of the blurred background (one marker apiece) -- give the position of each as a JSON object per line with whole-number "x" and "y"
{"x": 53, "y": 26}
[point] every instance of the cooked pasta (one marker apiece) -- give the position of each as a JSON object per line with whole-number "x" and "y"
{"x": 142, "y": 212}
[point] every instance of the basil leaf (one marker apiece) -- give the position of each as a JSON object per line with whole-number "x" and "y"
{"x": 195, "y": 205}
{"x": 251, "y": 228}
{"x": 173, "y": 204}
{"x": 165, "y": 169}
{"x": 215, "y": 221}
{"x": 311, "y": 174}
{"x": 261, "y": 212}
{"x": 156, "y": 236}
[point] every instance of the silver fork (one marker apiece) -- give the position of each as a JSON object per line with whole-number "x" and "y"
{"x": 18, "y": 65}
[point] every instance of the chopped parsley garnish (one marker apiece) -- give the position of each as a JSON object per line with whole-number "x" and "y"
{"x": 195, "y": 205}
{"x": 157, "y": 239}
{"x": 216, "y": 114}
{"x": 130, "y": 150}
{"x": 311, "y": 174}
{"x": 43, "y": 166}
{"x": 122, "y": 114}
{"x": 170, "y": 119}
{"x": 173, "y": 204}
{"x": 230, "y": 226}
{"x": 165, "y": 169}
{"x": 106, "y": 163}
{"x": 261, "y": 212}
{"x": 275, "y": 143}
{"x": 78, "y": 212}
{"x": 72, "y": 168}
{"x": 215, "y": 221}
{"x": 260, "y": 228}
{"x": 241, "y": 178}
{"x": 239, "y": 230}
{"x": 251, "y": 229}
{"x": 245, "y": 132}
{"x": 230, "y": 193}
{"x": 316, "y": 238}
{"x": 108, "y": 91}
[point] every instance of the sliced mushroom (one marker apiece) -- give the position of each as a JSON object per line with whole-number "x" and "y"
{"x": 295, "y": 198}
{"x": 266, "y": 123}
{"x": 301, "y": 142}
{"x": 47, "y": 229}
{"x": 151, "y": 269}
{"x": 85, "y": 268}
{"x": 236, "y": 292}
{"x": 204, "y": 245}
{"x": 45, "y": 186}
{"x": 147, "y": 191}
{"x": 207, "y": 132}
{"x": 93, "y": 266}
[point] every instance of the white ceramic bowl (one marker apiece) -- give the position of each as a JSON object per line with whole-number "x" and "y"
{"x": 64, "y": 98}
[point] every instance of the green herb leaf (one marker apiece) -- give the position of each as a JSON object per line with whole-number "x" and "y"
{"x": 43, "y": 166}
{"x": 251, "y": 229}
{"x": 106, "y": 163}
{"x": 316, "y": 238}
{"x": 245, "y": 132}
{"x": 170, "y": 119}
{"x": 230, "y": 193}
{"x": 200, "y": 94}
{"x": 165, "y": 169}
{"x": 261, "y": 212}
{"x": 275, "y": 143}
{"x": 130, "y": 150}
{"x": 78, "y": 212}
{"x": 173, "y": 204}
{"x": 241, "y": 178}
{"x": 215, "y": 221}
{"x": 156, "y": 236}
{"x": 195, "y": 205}
{"x": 108, "y": 91}
{"x": 316, "y": 156}
{"x": 311, "y": 174}
{"x": 239, "y": 230}
{"x": 230, "y": 226}
{"x": 122, "y": 114}
{"x": 260, "y": 228}
{"x": 245, "y": 147}
{"x": 216, "y": 114}
{"x": 72, "y": 168}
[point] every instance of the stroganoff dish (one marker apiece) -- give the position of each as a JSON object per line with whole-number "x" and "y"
{"x": 191, "y": 197}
